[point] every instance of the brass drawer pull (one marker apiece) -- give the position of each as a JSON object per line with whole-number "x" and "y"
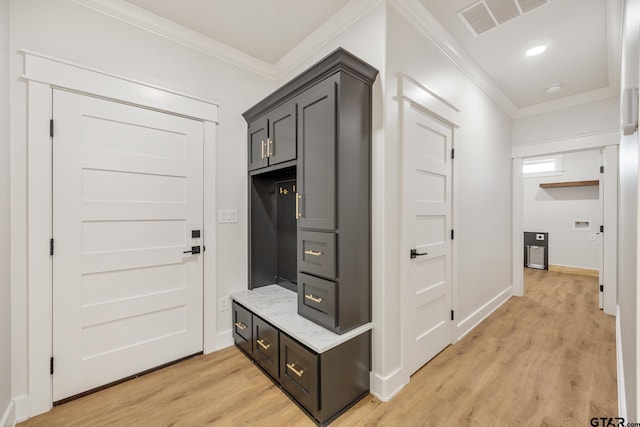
{"x": 269, "y": 146}
{"x": 262, "y": 156}
{"x": 292, "y": 368}
{"x": 241, "y": 326}
{"x": 314, "y": 253}
{"x": 312, "y": 298}
{"x": 263, "y": 345}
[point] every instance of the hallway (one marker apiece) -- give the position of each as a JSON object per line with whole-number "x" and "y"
{"x": 547, "y": 359}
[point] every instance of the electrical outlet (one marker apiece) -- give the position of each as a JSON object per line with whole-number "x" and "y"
{"x": 223, "y": 304}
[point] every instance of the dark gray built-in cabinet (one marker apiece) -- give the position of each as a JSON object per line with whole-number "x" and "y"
{"x": 309, "y": 163}
{"x": 309, "y": 146}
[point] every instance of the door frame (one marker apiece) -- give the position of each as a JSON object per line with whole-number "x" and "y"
{"x": 412, "y": 93}
{"x": 607, "y": 142}
{"x": 42, "y": 74}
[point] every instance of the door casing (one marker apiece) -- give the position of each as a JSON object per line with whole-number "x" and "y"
{"x": 43, "y": 73}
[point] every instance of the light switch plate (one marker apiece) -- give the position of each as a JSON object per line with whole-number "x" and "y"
{"x": 226, "y": 216}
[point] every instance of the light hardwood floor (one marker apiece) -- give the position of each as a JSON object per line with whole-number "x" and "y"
{"x": 547, "y": 359}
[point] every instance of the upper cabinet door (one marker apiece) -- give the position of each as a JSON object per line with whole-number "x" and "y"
{"x": 258, "y": 143}
{"x": 282, "y": 134}
{"x": 317, "y": 156}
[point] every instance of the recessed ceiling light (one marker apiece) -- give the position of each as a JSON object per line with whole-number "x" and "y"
{"x": 536, "y": 50}
{"x": 554, "y": 88}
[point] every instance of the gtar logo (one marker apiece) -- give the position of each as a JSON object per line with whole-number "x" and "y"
{"x": 607, "y": 422}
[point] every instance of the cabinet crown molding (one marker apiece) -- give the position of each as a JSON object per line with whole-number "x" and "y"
{"x": 339, "y": 60}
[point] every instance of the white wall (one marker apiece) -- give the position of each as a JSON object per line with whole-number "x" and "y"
{"x": 553, "y": 210}
{"x": 5, "y": 295}
{"x": 584, "y": 119}
{"x": 628, "y": 260}
{"x": 71, "y": 32}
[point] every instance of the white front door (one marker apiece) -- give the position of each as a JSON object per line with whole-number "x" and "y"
{"x": 427, "y": 193}
{"x": 127, "y": 193}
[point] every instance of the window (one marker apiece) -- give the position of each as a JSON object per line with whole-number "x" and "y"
{"x": 548, "y": 166}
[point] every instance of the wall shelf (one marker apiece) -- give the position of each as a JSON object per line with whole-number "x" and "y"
{"x": 570, "y": 184}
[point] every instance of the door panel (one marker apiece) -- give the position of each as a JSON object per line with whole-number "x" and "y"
{"x": 282, "y": 134}
{"x": 258, "y": 144}
{"x": 127, "y": 191}
{"x": 317, "y": 156}
{"x": 427, "y": 224}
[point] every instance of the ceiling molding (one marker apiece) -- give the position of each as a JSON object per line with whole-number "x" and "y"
{"x": 415, "y": 12}
{"x": 336, "y": 24}
{"x": 614, "y": 41}
{"x": 177, "y": 33}
{"x": 569, "y": 101}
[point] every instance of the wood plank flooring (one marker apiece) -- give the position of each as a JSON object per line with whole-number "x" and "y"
{"x": 547, "y": 359}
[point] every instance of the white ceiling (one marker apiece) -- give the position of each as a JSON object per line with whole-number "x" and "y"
{"x": 574, "y": 31}
{"x": 578, "y": 33}
{"x": 265, "y": 29}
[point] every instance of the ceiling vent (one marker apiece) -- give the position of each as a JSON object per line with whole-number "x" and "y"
{"x": 485, "y": 15}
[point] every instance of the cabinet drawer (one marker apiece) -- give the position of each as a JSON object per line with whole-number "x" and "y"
{"x": 242, "y": 327}
{"x": 317, "y": 253}
{"x": 265, "y": 345}
{"x": 299, "y": 373}
{"x": 317, "y": 299}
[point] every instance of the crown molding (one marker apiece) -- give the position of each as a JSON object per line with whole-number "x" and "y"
{"x": 336, "y": 24}
{"x": 614, "y": 41}
{"x": 415, "y": 12}
{"x": 568, "y": 101}
{"x": 148, "y": 21}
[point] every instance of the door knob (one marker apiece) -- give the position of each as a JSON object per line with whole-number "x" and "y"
{"x": 194, "y": 250}
{"x": 415, "y": 254}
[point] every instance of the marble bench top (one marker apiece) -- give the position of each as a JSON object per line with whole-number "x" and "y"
{"x": 279, "y": 306}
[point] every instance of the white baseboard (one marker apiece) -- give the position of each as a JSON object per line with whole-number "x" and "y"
{"x": 223, "y": 340}
{"x": 622, "y": 398}
{"x": 9, "y": 417}
{"x": 22, "y": 408}
{"x": 469, "y": 323}
{"x": 385, "y": 388}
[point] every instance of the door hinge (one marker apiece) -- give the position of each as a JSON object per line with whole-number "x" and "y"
{"x": 453, "y": 153}
{"x": 50, "y": 246}
{"x": 51, "y": 365}
{"x": 601, "y": 288}
{"x": 602, "y": 228}
{"x": 51, "y": 128}
{"x": 452, "y": 234}
{"x": 601, "y": 169}
{"x": 452, "y": 315}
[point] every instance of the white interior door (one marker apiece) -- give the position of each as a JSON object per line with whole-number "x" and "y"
{"x": 427, "y": 193}
{"x": 127, "y": 193}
